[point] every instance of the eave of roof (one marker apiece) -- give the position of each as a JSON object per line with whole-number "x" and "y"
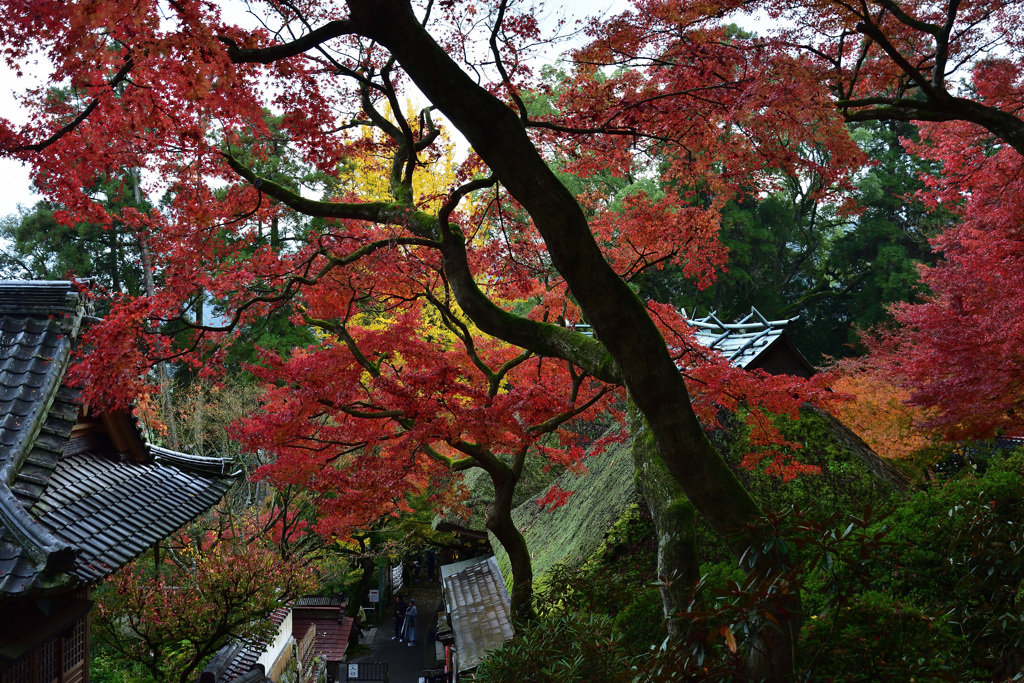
{"x": 68, "y": 514}
{"x": 740, "y": 342}
{"x": 37, "y": 324}
{"x": 38, "y": 298}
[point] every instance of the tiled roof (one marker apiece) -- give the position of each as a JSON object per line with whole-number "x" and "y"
{"x": 112, "y": 511}
{"x": 41, "y": 460}
{"x": 35, "y": 346}
{"x": 331, "y": 635}
{"x": 320, "y": 601}
{"x": 33, "y": 357}
{"x": 67, "y": 511}
{"x": 741, "y": 342}
{"x": 1010, "y": 441}
{"x": 479, "y": 606}
{"x": 237, "y": 661}
{"x": 37, "y": 298}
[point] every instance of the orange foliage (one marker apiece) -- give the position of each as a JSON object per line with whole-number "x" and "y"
{"x": 880, "y": 414}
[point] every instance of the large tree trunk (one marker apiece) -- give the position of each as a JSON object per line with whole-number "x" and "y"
{"x": 499, "y": 523}
{"x": 678, "y": 560}
{"x": 618, "y": 317}
{"x": 616, "y": 314}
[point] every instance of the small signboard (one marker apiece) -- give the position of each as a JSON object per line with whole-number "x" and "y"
{"x": 374, "y": 595}
{"x": 353, "y": 671}
{"x": 396, "y": 578}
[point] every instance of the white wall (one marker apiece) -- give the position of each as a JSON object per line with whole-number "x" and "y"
{"x": 279, "y": 647}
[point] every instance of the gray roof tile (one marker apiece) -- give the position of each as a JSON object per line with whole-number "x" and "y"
{"x": 124, "y": 507}
{"x": 479, "y": 607}
{"x": 83, "y": 506}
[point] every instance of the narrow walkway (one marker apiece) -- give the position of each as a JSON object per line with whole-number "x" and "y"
{"x": 406, "y": 664}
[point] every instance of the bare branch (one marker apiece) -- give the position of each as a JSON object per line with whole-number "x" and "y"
{"x": 266, "y": 55}
{"x": 121, "y": 75}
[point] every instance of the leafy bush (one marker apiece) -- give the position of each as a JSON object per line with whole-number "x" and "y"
{"x": 613, "y": 582}
{"x": 879, "y": 639}
{"x": 959, "y": 548}
{"x": 105, "y": 667}
{"x": 566, "y": 647}
{"x": 641, "y": 623}
{"x": 934, "y": 591}
{"x": 173, "y": 621}
{"x": 735, "y": 609}
{"x": 844, "y": 484}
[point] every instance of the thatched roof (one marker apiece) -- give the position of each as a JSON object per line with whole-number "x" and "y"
{"x": 574, "y": 531}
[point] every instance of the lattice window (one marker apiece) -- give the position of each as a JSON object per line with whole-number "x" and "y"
{"x": 49, "y": 660}
{"x": 74, "y": 645}
{"x": 19, "y": 673}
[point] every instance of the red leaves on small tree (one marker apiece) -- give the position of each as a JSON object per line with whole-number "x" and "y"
{"x": 211, "y": 592}
{"x": 960, "y": 352}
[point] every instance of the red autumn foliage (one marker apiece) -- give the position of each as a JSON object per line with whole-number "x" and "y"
{"x": 214, "y": 590}
{"x": 958, "y": 68}
{"x": 961, "y": 350}
{"x": 878, "y": 410}
{"x": 402, "y": 387}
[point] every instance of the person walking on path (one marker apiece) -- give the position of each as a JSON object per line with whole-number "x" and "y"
{"x": 399, "y": 619}
{"x": 410, "y": 622}
{"x": 407, "y": 664}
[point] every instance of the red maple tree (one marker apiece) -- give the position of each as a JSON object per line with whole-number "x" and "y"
{"x": 956, "y": 68}
{"x": 448, "y": 327}
{"x": 207, "y": 591}
{"x": 960, "y": 351}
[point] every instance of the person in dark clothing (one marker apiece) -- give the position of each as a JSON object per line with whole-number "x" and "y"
{"x": 431, "y": 561}
{"x": 400, "y": 608}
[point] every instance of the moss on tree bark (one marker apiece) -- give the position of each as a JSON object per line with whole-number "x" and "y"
{"x": 672, "y": 512}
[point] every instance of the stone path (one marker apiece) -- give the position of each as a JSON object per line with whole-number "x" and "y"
{"x": 407, "y": 664}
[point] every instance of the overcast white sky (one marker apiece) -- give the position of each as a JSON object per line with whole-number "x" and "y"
{"x": 15, "y": 186}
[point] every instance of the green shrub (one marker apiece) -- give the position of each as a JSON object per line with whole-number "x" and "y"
{"x": 610, "y": 579}
{"x": 959, "y": 548}
{"x": 641, "y": 622}
{"x": 106, "y": 667}
{"x": 844, "y": 485}
{"x": 879, "y": 639}
{"x": 560, "y": 649}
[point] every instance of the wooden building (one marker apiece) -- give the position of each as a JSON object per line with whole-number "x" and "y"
{"x": 81, "y": 493}
{"x": 312, "y": 636}
{"x": 754, "y": 343}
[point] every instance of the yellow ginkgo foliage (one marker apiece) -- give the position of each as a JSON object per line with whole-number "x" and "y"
{"x": 433, "y": 177}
